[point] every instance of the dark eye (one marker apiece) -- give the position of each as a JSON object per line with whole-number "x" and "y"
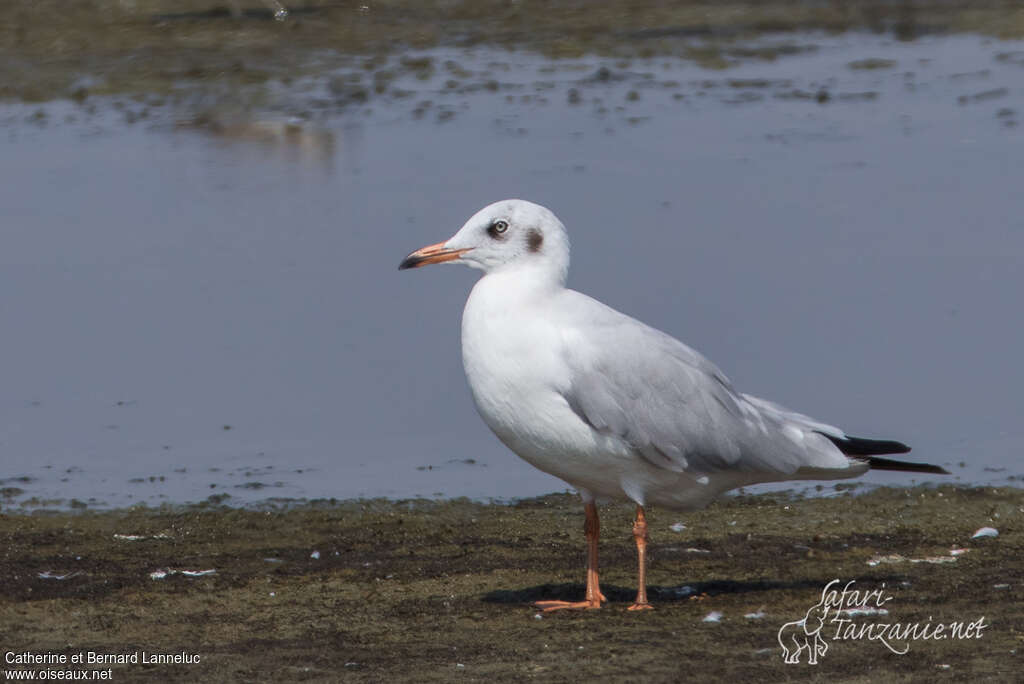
{"x": 497, "y": 228}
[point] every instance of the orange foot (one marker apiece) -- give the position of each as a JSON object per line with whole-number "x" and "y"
{"x": 641, "y": 606}
{"x": 551, "y": 606}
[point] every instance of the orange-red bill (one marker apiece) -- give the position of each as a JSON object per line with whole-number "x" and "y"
{"x": 431, "y": 254}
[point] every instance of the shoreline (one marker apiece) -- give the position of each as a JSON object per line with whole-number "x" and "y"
{"x": 792, "y": 490}
{"x": 424, "y": 590}
{"x": 185, "y": 53}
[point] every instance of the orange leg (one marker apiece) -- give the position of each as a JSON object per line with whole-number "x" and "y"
{"x": 592, "y": 529}
{"x": 640, "y": 535}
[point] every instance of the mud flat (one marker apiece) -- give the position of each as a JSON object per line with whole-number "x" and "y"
{"x": 163, "y": 51}
{"x": 441, "y": 590}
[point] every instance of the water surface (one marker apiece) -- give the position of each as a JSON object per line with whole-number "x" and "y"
{"x": 189, "y": 314}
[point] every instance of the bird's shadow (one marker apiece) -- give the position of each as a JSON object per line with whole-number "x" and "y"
{"x": 656, "y": 594}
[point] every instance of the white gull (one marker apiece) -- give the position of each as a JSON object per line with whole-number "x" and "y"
{"x": 612, "y": 406}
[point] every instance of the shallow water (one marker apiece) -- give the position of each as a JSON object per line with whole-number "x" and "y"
{"x": 192, "y": 312}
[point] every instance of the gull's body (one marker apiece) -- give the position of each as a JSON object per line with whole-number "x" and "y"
{"x": 612, "y": 406}
{"x": 523, "y": 350}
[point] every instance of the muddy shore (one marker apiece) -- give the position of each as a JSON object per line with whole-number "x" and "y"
{"x": 173, "y": 51}
{"x": 440, "y": 591}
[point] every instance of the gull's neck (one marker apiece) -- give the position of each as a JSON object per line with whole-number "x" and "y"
{"x": 526, "y": 280}
{"x": 510, "y": 291}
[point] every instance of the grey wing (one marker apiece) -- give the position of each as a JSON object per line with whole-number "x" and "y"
{"x": 676, "y": 410}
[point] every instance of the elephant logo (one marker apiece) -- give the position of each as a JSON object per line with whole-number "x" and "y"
{"x": 805, "y": 635}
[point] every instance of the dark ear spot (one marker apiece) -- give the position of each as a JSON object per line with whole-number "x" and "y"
{"x": 534, "y": 240}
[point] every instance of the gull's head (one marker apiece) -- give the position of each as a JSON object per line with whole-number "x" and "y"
{"x": 506, "y": 235}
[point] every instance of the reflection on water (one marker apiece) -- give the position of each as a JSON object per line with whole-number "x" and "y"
{"x": 217, "y": 312}
{"x": 297, "y": 141}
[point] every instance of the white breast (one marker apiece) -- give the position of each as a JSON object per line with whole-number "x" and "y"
{"x": 512, "y": 354}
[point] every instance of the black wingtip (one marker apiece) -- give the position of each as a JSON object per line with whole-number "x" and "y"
{"x": 868, "y": 449}
{"x": 858, "y": 446}
{"x": 876, "y": 463}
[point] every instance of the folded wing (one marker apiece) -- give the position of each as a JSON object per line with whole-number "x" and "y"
{"x": 674, "y": 408}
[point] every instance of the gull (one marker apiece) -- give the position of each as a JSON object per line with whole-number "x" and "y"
{"x": 614, "y": 407}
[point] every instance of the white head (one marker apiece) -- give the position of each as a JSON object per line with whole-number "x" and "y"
{"x": 506, "y": 235}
